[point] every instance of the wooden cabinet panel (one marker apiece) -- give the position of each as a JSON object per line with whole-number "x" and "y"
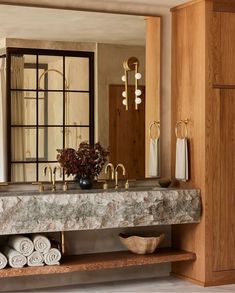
{"x": 224, "y": 208}
{"x": 203, "y": 89}
{"x": 224, "y": 49}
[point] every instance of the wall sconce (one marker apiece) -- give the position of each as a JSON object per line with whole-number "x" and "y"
{"x": 132, "y": 64}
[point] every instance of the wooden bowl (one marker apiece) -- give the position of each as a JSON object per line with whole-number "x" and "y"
{"x": 141, "y": 245}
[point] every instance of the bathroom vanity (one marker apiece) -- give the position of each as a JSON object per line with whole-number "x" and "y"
{"x": 33, "y": 212}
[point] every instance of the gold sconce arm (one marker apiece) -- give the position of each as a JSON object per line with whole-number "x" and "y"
{"x": 131, "y": 64}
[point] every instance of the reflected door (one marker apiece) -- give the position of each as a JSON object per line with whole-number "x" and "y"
{"x": 127, "y": 131}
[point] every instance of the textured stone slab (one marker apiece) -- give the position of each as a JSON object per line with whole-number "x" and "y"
{"x": 49, "y": 212}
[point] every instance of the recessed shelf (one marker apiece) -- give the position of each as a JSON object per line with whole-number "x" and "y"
{"x": 100, "y": 261}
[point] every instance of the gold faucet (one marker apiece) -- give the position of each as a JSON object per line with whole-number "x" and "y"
{"x": 116, "y": 173}
{"x": 111, "y": 167}
{"x": 107, "y": 167}
{"x": 54, "y": 177}
{"x": 48, "y": 167}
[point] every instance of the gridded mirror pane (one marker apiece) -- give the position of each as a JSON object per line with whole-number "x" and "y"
{"x": 23, "y": 144}
{"x": 42, "y": 177}
{"x": 51, "y": 76}
{"x": 50, "y": 139}
{"x": 77, "y": 73}
{"x": 77, "y": 109}
{"x": 42, "y": 144}
{"x": 23, "y": 172}
{"x": 50, "y": 108}
{"x": 75, "y": 135}
{"x": 23, "y": 72}
{"x": 23, "y": 108}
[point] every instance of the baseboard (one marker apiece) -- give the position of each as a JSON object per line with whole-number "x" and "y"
{"x": 188, "y": 279}
{"x": 210, "y": 283}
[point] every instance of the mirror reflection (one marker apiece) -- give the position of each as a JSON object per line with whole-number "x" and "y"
{"x": 59, "y": 98}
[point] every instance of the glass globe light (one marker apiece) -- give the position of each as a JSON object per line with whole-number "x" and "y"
{"x": 124, "y": 102}
{"x": 138, "y": 75}
{"x": 123, "y": 78}
{"x": 124, "y": 94}
{"x": 138, "y": 101}
{"x": 138, "y": 93}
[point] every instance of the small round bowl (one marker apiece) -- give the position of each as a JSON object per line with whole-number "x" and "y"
{"x": 141, "y": 245}
{"x": 164, "y": 182}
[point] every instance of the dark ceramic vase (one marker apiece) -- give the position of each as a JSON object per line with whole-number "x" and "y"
{"x": 86, "y": 182}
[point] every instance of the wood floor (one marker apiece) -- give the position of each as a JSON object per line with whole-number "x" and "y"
{"x": 168, "y": 284}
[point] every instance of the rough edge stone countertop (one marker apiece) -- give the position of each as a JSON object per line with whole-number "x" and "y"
{"x": 32, "y": 212}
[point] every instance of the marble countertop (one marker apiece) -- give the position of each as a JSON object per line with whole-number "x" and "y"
{"x": 32, "y": 212}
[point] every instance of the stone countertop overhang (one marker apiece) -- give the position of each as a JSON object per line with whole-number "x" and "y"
{"x": 32, "y": 212}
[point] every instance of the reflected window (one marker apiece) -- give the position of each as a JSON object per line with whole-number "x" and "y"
{"x": 51, "y": 106}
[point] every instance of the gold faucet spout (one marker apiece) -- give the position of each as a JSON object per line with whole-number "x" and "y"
{"x": 111, "y": 167}
{"x": 116, "y": 173}
{"x": 54, "y": 177}
{"x": 48, "y": 167}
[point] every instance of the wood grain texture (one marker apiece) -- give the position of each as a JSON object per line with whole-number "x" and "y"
{"x": 185, "y": 5}
{"x": 127, "y": 132}
{"x": 153, "y": 66}
{"x": 219, "y": 236}
{"x": 101, "y": 261}
{"x": 224, "y": 5}
{"x": 212, "y": 45}
{"x": 224, "y": 219}
{"x": 188, "y": 101}
{"x": 224, "y": 49}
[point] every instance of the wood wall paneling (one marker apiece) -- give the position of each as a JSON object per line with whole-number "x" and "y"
{"x": 224, "y": 5}
{"x": 224, "y": 219}
{"x": 204, "y": 48}
{"x": 153, "y": 65}
{"x": 188, "y": 101}
{"x": 224, "y": 49}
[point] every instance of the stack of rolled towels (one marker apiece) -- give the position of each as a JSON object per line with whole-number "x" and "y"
{"x": 35, "y": 251}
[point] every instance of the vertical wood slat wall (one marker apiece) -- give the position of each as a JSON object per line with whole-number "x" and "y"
{"x": 203, "y": 90}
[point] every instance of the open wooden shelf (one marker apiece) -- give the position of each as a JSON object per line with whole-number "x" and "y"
{"x": 100, "y": 261}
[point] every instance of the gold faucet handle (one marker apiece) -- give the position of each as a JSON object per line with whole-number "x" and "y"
{"x": 66, "y": 185}
{"x": 40, "y": 186}
{"x": 4, "y": 183}
{"x": 105, "y": 185}
{"x": 127, "y": 185}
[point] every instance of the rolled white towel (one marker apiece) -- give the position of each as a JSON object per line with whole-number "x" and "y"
{"x": 22, "y": 244}
{"x": 41, "y": 243}
{"x": 3, "y": 261}
{"x": 52, "y": 257}
{"x": 15, "y": 259}
{"x": 35, "y": 259}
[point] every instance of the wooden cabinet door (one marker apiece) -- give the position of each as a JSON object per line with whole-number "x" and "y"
{"x": 224, "y": 199}
{"x": 224, "y": 49}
